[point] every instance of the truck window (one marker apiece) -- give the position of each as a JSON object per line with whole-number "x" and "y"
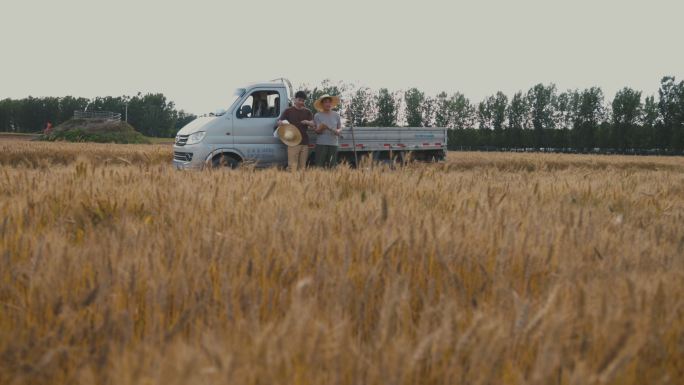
{"x": 260, "y": 104}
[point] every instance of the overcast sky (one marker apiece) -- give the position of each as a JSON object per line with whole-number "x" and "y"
{"x": 199, "y": 51}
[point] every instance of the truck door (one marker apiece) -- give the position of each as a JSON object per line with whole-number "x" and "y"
{"x": 254, "y": 122}
{"x": 278, "y": 149}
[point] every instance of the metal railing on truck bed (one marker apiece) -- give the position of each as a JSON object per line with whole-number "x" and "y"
{"x": 391, "y": 138}
{"x": 100, "y": 115}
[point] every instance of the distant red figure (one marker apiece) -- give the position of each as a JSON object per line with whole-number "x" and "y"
{"x": 48, "y": 128}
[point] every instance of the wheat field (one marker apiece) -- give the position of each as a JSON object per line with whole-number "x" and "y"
{"x": 489, "y": 268}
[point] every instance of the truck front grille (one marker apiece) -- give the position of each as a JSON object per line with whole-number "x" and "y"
{"x": 181, "y": 140}
{"x": 182, "y": 156}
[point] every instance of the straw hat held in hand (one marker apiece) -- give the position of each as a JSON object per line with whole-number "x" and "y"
{"x": 289, "y": 134}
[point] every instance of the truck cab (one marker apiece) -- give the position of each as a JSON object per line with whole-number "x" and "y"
{"x": 241, "y": 133}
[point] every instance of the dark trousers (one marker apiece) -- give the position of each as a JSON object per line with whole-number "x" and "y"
{"x": 326, "y": 156}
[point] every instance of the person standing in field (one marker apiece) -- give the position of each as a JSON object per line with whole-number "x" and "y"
{"x": 328, "y": 126}
{"x": 301, "y": 117}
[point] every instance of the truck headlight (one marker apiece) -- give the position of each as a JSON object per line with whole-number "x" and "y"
{"x": 196, "y": 137}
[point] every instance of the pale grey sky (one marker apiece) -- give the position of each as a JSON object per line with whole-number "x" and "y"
{"x": 197, "y": 52}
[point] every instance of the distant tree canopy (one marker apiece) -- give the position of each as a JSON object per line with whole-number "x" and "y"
{"x": 150, "y": 114}
{"x": 541, "y": 117}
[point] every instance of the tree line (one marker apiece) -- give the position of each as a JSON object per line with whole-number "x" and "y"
{"x": 151, "y": 114}
{"x": 541, "y": 118}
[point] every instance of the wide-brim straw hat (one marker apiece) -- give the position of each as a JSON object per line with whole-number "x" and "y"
{"x": 318, "y": 104}
{"x": 289, "y": 134}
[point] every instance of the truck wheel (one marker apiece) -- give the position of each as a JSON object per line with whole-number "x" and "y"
{"x": 224, "y": 160}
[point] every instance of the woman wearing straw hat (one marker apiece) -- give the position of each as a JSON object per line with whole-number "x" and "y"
{"x": 328, "y": 126}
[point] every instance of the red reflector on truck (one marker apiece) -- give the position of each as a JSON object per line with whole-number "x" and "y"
{"x": 426, "y": 144}
{"x": 312, "y": 146}
{"x": 359, "y": 145}
{"x": 438, "y": 144}
{"x": 345, "y": 145}
{"x": 386, "y": 144}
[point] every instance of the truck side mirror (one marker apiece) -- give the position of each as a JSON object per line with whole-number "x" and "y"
{"x": 245, "y": 110}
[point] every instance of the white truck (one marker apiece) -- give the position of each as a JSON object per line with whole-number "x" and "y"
{"x": 244, "y": 133}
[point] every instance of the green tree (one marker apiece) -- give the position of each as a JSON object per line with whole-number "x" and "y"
{"x": 442, "y": 110}
{"x": 152, "y": 115}
{"x": 542, "y": 100}
{"x": 651, "y": 113}
{"x": 626, "y": 111}
{"x": 108, "y": 103}
{"x": 454, "y": 111}
{"x": 518, "y": 112}
{"x": 671, "y": 106}
{"x": 6, "y": 114}
{"x": 518, "y": 119}
{"x": 31, "y": 115}
{"x": 428, "y": 110}
{"x": 485, "y": 115}
{"x": 589, "y": 115}
{"x": 492, "y": 112}
{"x": 361, "y": 108}
{"x": 651, "y": 118}
{"x": 565, "y": 109}
{"x": 498, "y": 106}
{"x": 67, "y": 106}
{"x": 181, "y": 118}
{"x": 462, "y": 114}
{"x": 387, "y": 109}
{"x": 414, "y": 100}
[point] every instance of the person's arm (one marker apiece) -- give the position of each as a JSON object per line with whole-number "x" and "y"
{"x": 283, "y": 116}
{"x": 310, "y": 121}
{"x": 317, "y": 125}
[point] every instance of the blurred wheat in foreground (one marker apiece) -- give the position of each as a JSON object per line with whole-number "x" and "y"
{"x": 488, "y": 269}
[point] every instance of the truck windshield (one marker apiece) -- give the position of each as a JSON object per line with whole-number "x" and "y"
{"x": 236, "y": 95}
